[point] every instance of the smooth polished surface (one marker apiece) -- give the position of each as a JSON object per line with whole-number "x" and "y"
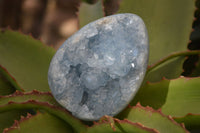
{"x": 99, "y": 69}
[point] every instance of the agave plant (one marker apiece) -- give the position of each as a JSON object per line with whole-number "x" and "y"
{"x": 167, "y": 101}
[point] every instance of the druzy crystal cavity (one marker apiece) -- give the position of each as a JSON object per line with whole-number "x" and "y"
{"x": 99, "y": 69}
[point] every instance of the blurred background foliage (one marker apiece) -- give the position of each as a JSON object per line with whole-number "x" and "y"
{"x": 51, "y": 20}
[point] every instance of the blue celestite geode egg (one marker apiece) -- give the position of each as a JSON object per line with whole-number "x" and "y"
{"x": 99, "y": 69}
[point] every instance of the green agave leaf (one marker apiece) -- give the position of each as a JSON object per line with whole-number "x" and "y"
{"x": 169, "y": 67}
{"x": 34, "y": 95}
{"x": 169, "y": 23}
{"x": 8, "y": 84}
{"x": 7, "y": 118}
{"x": 26, "y": 59}
{"x": 112, "y": 125}
{"x": 152, "y": 94}
{"x": 9, "y": 78}
{"x": 153, "y": 119}
{"x": 5, "y": 87}
{"x": 129, "y": 127}
{"x": 88, "y": 13}
{"x": 183, "y": 97}
{"x": 176, "y": 97}
{"x": 54, "y": 110}
{"x": 191, "y": 121}
{"x": 39, "y": 123}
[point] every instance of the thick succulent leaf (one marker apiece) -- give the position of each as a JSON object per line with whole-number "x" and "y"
{"x": 39, "y": 123}
{"x": 7, "y": 118}
{"x": 54, "y": 110}
{"x": 191, "y": 121}
{"x": 112, "y": 125}
{"x": 165, "y": 20}
{"x": 88, "y": 13}
{"x": 8, "y": 84}
{"x": 26, "y": 59}
{"x": 5, "y": 87}
{"x": 9, "y": 78}
{"x": 169, "y": 69}
{"x": 152, "y": 94}
{"x": 34, "y": 95}
{"x": 127, "y": 126}
{"x": 183, "y": 97}
{"x": 176, "y": 97}
{"x": 37, "y": 100}
{"x": 152, "y": 119}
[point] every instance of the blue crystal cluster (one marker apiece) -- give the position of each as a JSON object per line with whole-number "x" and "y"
{"x": 99, "y": 69}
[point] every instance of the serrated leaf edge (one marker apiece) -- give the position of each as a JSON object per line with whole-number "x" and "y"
{"x": 10, "y": 78}
{"x": 17, "y": 122}
{"x": 159, "y": 111}
{"x": 33, "y": 92}
{"x": 138, "y": 125}
{"x": 188, "y": 114}
{"x": 54, "y": 110}
{"x": 111, "y": 121}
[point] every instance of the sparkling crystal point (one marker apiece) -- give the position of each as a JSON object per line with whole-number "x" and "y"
{"x": 99, "y": 69}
